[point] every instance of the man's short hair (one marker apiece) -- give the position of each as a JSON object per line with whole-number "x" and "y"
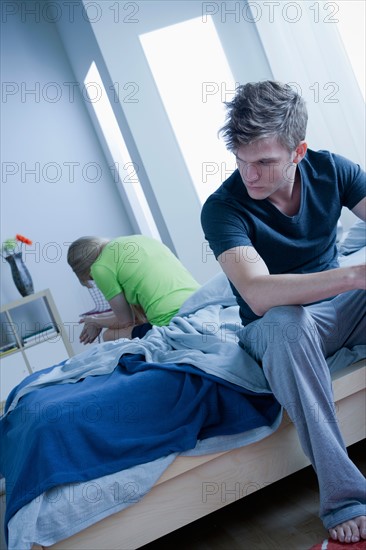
{"x": 265, "y": 109}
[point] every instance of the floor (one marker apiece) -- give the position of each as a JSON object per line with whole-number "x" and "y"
{"x": 282, "y": 516}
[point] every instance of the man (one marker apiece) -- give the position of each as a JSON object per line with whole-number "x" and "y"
{"x": 272, "y": 227}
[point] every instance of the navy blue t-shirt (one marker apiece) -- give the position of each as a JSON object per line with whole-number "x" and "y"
{"x": 303, "y": 243}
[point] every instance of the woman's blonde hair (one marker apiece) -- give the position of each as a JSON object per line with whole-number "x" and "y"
{"x": 82, "y": 253}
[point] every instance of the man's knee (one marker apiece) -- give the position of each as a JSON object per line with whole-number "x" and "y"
{"x": 287, "y": 324}
{"x": 280, "y": 326}
{"x": 281, "y": 314}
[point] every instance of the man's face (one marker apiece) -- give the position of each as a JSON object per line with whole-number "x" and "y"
{"x": 266, "y": 167}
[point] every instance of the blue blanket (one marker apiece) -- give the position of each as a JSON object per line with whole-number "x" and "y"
{"x": 102, "y": 424}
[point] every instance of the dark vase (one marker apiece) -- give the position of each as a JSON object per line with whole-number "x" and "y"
{"x": 21, "y": 276}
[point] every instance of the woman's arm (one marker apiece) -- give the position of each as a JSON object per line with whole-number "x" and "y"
{"x": 121, "y": 317}
{"x": 122, "y": 311}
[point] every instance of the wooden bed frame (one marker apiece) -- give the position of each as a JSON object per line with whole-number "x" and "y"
{"x": 193, "y": 487}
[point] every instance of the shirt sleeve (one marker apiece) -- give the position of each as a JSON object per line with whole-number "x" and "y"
{"x": 223, "y": 228}
{"x": 106, "y": 281}
{"x": 351, "y": 181}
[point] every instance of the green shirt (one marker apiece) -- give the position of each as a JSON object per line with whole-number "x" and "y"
{"x": 147, "y": 273}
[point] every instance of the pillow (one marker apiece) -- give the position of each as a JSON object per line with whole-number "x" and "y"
{"x": 354, "y": 239}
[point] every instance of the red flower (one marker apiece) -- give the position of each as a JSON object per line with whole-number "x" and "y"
{"x": 23, "y": 239}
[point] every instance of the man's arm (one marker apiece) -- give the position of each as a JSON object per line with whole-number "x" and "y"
{"x": 360, "y": 209}
{"x": 249, "y": 274}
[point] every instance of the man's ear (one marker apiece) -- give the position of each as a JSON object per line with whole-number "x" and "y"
{"x": 300, "y": 152}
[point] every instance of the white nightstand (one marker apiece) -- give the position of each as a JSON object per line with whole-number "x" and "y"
{"x": 33, "y": 337}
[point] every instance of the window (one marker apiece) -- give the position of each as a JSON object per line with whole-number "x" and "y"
{"x": 193, "y": 77}
{"x": 351, "y": 27}
{"x": 124, "y": 170}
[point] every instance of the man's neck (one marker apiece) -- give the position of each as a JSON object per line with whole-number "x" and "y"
{"x": 288, "y": 199}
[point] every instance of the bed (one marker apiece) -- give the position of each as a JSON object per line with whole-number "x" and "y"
{"x": 178, "y": 499}
{"x": 177, "y": 484}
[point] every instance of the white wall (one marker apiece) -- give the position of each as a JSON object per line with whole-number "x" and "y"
{"x": 45, "y": 131}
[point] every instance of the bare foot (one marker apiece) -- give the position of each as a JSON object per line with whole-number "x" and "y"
{"x": 350, "y": 531}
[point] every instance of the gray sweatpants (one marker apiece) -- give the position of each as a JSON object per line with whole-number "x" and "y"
{"x": 291, "y": 343}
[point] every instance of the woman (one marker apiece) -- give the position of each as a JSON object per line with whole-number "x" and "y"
{"x": 143, "y": 281}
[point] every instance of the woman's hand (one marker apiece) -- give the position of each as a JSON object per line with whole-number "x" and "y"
{"x": 122, "y": 317}
{"x": 102, "y": 320}
{"x": 90, "y": 331}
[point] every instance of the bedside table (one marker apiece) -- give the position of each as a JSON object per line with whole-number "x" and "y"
{"x": 33, "y": 337}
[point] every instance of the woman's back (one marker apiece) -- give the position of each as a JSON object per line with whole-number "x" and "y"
{"x": 147, "y": 273}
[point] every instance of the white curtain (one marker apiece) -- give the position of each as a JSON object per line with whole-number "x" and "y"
{"x": 304, "y": 48}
